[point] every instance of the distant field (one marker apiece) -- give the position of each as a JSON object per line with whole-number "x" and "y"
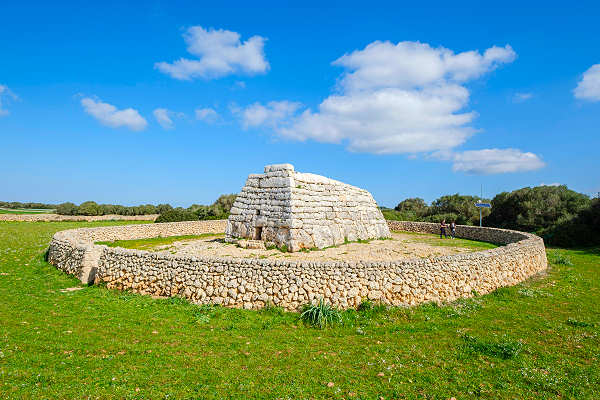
{"x": 26, "y": 211}
{"x": 536, "y": 340}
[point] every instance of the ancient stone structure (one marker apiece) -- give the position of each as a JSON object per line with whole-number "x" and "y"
{"x": 302, "y": 211}
{"x": 253, "y": 283}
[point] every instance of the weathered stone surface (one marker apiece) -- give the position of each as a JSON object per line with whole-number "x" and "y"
{"x": 302, "y": 210}
{"x": 253, "y": 283}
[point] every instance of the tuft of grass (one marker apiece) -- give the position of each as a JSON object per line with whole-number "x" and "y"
{"x": 505, "y": 348}
{"x": 365, "y": 305}
{"x": 320, "y": 314}
{"x": 579, "y": 324}
{"x": 560, "y": 259}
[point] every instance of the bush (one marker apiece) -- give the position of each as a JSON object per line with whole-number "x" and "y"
{"x": 89, "y": 208}
{"x": 539, "y": 210}
{"x": 177, "y": 215}
{"x": 414, "y": 205}
{"x": 67, "y": 209}
{"x": 457, "y": 208}
{"x": 162, "y": 208}
{"x": 581, "y": 230}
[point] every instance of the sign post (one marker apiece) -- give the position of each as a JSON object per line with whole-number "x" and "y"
{"x": 482, "y": 205}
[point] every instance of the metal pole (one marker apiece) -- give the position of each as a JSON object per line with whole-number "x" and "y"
{"x": 480, "y": 217}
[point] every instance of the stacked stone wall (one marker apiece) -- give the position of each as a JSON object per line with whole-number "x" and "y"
{"x": 252, "y": 283}
{"x": 63, "y": 218}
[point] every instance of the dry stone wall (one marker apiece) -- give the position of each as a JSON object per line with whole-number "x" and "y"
{"x": 61, "y": 218}
{"x": 253, "y": 283}
{"x": 302, "y": 210}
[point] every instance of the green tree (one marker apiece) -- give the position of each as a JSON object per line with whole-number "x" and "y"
{"x": 67, "y": 209}
{"x": 89, "y": 208}
{"x": 457, "y": 206}
{"x": 415, "y": 204}
{"x": 539, "y": 209}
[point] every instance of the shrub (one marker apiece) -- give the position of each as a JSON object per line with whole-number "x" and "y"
{"x": 580, "y": 230}
{"x": 176, "y": 215}
{"x": 89, "y": 208}
{"x": 456, "y": 207}
{"x": 66, "y": 209}
{"x": 320, "y": 314}
{"x": 162, "y": 208}
{"x": 414, "y": 205}
{"x": 538, "y": 210}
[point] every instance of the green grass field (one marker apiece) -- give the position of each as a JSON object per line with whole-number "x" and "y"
{"x": 25, "y": 211}
{"x": 535, "y": 340}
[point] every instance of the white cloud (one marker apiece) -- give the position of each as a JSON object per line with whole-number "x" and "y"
{"x": 408, "y": 65}
{"x": 272, "y": 114}
{"x": 5, "y": 96}
{"x": 207, "y": 115}
{"x": 522, "y": 97}
{"x": 495, "y": 161}
{"x": 402, "y": 98}
{"x": 220, "y": 53}
{"x": 163, "y": 118}
{"x": 550, "y": 184}
{"x": 588, "y": 87}
{"x": 110, "y": 116}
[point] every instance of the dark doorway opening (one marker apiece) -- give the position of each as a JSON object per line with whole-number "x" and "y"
{"x": 257, "y": 233}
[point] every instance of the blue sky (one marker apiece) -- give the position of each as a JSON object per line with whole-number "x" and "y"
{"x": 403, "y": 101}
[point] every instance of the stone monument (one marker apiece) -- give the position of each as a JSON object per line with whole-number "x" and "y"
{"x": 298, "y": 210}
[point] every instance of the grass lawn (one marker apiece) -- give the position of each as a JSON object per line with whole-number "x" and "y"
{"x": 25, "y": 211}
{"x": 535, "y": 340}
{"x": 153, "y": 243}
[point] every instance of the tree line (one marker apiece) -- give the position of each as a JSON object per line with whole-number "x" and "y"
{"x": 561, "y": 216}
{"x": 19, "y": 205}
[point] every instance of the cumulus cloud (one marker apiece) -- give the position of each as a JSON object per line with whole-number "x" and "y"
{"x": 207, "y": 115}
{"x": 5, "y": 96}
{"x": 220, "y": 53}
{"x": 588, "y": 87}
{"x": 522, "y": 97}
{"x": 495, "y": 161}
{"x": 408, "y": 65}
{"x": 163, "y": 118}
{"x": 273, "y": 114}
{"x": 110, "y": 116}
{"x": 392, "y": 98}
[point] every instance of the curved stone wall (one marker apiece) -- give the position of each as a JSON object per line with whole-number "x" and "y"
{"x": 252, "y": 283}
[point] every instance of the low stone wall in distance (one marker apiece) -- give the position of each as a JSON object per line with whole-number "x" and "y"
{"x": 61, "y": 218}
{"x": 253, "y": 283}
